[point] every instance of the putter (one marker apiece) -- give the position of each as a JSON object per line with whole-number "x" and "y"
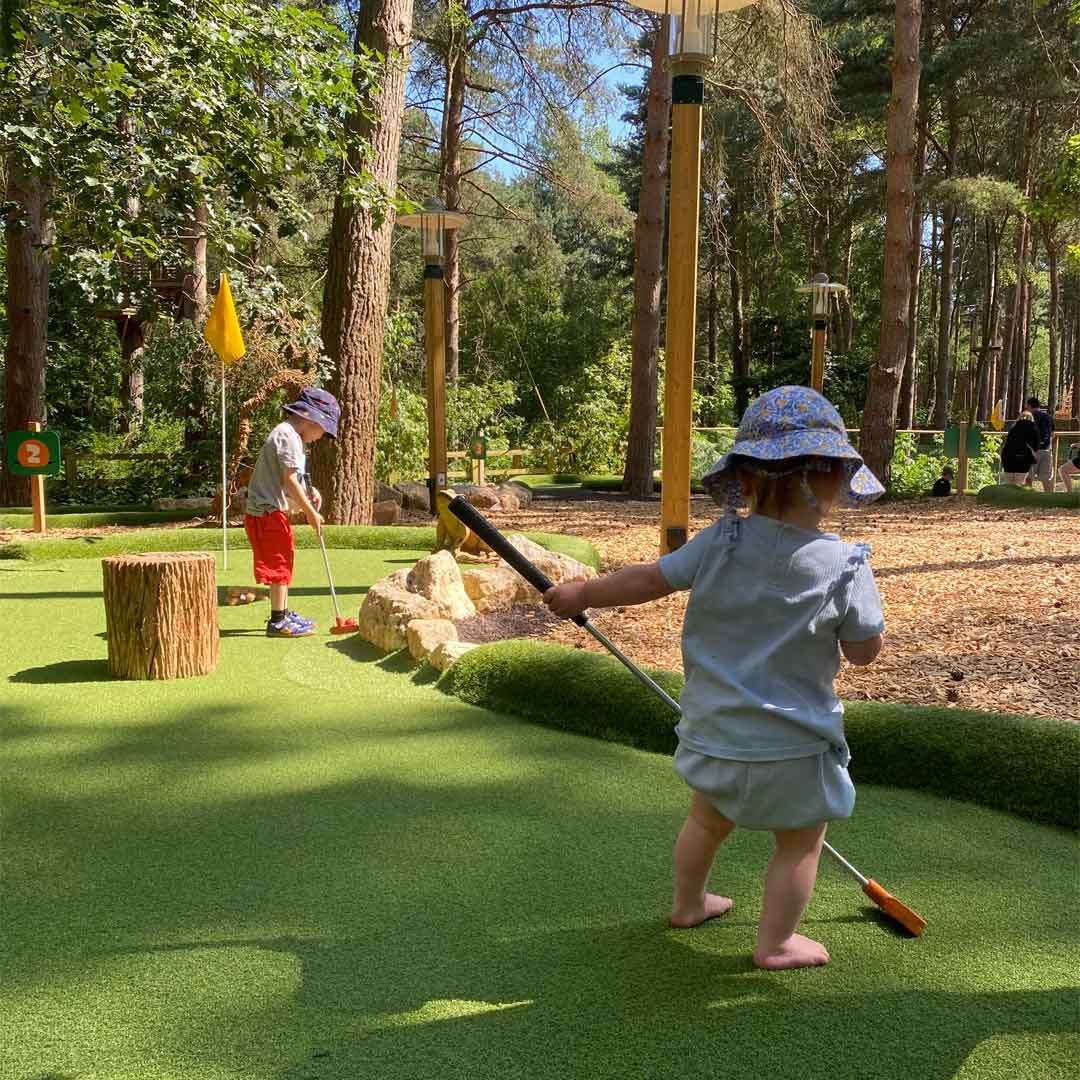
{"x": 341, "y": 626}
{"x": 465, "y": 512}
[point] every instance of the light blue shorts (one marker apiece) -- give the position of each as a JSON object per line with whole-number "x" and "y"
{"x": 772, "y": 795}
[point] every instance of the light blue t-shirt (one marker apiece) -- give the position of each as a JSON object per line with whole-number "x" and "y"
{"x": 769, "y": 604}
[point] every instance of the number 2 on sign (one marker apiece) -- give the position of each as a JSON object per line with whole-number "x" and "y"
{"x": 33, "y": 454}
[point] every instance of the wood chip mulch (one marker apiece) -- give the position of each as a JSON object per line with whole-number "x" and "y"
{"x": 982, "y": 604}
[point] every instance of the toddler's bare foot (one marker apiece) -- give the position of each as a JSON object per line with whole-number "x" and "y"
{"x": 683, "y": 918}
{"x": 796, "y": 952}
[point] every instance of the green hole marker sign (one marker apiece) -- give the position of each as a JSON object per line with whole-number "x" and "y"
{"x": 33, "y": 453}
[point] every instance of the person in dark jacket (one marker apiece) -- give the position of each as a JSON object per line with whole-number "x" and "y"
{"x": 943, "y": 484}
{"x": 1043, "y": 469}
{"x": 1020, "y": 450}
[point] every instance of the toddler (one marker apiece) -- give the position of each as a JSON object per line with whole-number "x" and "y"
{"x": 773, "y": 604}
{"x": 278, "y": 483}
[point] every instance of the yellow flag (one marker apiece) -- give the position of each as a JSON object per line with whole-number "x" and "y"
{"x": 222, "y": 329}
{"x": 997, "y": 421}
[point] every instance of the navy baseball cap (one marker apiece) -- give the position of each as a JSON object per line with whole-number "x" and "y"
{"x": 319, "y": 407}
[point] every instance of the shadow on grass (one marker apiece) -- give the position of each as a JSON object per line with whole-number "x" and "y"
{"x": 593, "y": 1003}
{"x": 65, "y": 671}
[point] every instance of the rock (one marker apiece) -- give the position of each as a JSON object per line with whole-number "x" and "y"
{"x": 492, "y": 588}
{"x": 521, "y": 492}
{"x": 414, "y": 496}
{"x": 389, "y": 607}
{"x": 386, "y": 493}
{"x": 425, "y": 635}
{"x": 445, "y": 654}
{"x": 183, "y": 504}
{"x": 386, "y": 513}
{"x": 483, "y": 498}
{"x": 439, "y": 580}
{"x": 508, "y": 500}
{"x": 559, "y": 568}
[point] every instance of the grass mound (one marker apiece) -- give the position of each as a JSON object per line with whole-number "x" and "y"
{"x": 1009, "y": 495}
{"x": 91, "y": 520}
{"x": 609, "y": 483}
{"x": 340, "y": 537}
{"x": 1020, "y": 764}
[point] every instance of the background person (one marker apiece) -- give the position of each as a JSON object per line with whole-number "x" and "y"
{"x": 1019, "y": 450}
{"x": 1043, "y": 469}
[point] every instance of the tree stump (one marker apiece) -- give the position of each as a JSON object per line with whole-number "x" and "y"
{"x": 161, "y": 614}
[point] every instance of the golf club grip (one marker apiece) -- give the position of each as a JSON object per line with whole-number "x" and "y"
{"x": 468, "y": 515}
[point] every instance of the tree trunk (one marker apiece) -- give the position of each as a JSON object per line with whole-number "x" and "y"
{"x": 1053, "y": 305}
{"x": 132, "y": 331}
{"x": 940, "y": 418}
{"x": 930, "y": 367}
{"x": 27, "y": 313}
{"x": 648, "y": 259}
{"x": 1076, "y": 366}
{"x": 453, "y": 129}
{"x": 357, "y": 285}
{"x": 739, "y": 367}
{"x": 879, "y": 415}
{"x": 906, "y": 417}
{"x": 193, "y": 308}
{"x": 161, "y": 615}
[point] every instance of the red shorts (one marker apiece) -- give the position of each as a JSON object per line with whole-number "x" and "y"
{"x": 272, "y": 546}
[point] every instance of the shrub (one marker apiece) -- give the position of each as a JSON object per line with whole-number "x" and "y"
{"x": 1024, "y": 765}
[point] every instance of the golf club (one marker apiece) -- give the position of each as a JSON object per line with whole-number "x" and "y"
{"x": 341, "y": 626}
{"x": 468, "y": 515}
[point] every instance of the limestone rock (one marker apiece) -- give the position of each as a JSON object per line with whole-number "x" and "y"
{"x": 439, "y": 580}
{"x": 389, "y": 607}
{"x": 483, "y": 498}
{"x": 414, "y": 496}
{"x": 386, "y": 493}
{"x": 445, "y": 654}
{"x": 492, "y": 588}
{"x": 559, "y": 568}
{"x": 521, "y": 492}
{"x": 425, "y": 635}
{"x": 386, "y": 513}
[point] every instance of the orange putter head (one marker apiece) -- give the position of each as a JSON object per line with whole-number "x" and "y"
{"x": 899, "y": 912}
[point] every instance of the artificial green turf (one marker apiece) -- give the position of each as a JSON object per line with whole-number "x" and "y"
{"x": 1011, "y": 495}
{"x": 340, "y": 537}
{"x": 313, "y": 864}
{"x": 62, "y": 520}
{"x": 1028, "y": 765}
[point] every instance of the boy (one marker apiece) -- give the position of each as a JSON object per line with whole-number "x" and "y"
{"x": 943, "y": 484}
{"x": 276, "y": 484}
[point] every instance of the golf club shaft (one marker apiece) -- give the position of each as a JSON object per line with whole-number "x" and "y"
{"x": 468, "y": 515}
{"x": 329, "y": 577}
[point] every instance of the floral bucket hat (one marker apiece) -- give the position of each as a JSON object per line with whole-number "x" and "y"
{"x": 790, "y": 422}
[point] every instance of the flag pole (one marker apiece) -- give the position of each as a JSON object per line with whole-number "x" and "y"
{"x": 224, "y": 482}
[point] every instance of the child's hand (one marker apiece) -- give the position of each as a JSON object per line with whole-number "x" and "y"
{"x": 316, "y": 498}
{"x": 567, "y": 600}
{"x": 314, "y": 519}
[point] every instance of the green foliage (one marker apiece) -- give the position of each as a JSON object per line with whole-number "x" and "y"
{"x": 472, "y": 408}
{"x": 588, "y": 430}
{"x": 153, "y": 105}
{"x": 1024, "y": 765}
{"x": 916, "y": 464}
{"x": 401, "y": 442}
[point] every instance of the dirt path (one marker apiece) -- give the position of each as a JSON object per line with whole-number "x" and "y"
{"x": 982, "y": 604}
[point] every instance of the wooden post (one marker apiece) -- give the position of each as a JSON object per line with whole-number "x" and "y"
{"x": 817, "y": 362}
{"x": 687, "y": 96}
{"x": 962, "y": 459}
{"x": 37, "y": 489}
{"x": 161, "y": 614}
{"x": 435, "y": 348}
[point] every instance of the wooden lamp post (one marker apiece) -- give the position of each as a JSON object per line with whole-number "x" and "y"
{"x": 820, "y": 290}
{"x": 433, "y": 222}
{"x": 692, "y": 45}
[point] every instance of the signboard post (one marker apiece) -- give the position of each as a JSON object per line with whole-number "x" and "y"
{"x": 34, "y": 453}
